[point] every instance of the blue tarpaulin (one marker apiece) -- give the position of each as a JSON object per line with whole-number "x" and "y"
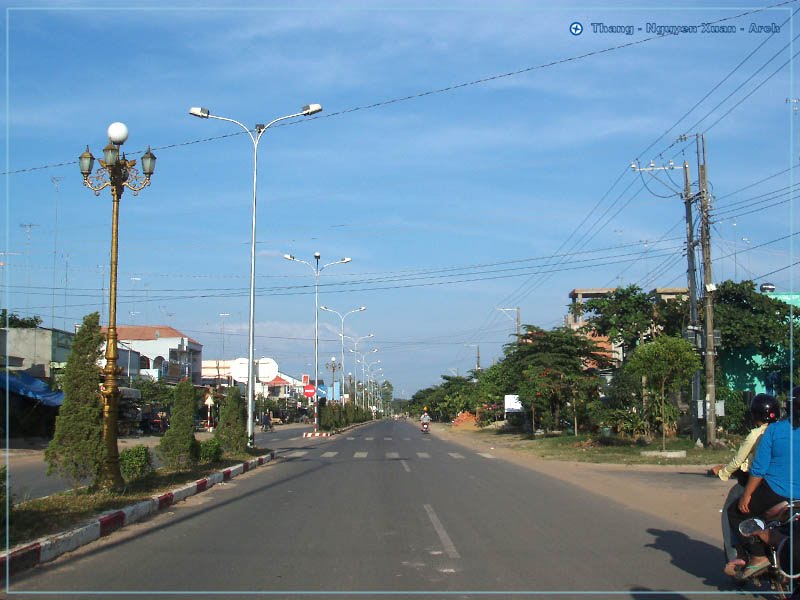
{"x": 23, "y": 384}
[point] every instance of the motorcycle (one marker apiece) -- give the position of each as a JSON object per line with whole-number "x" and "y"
{"x": 773, "y": 530}
{"x": 425, "y": 427}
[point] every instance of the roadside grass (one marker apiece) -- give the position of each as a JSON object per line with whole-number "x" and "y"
{"x": 595, "y": 449}
{"x": 38, "y": 517}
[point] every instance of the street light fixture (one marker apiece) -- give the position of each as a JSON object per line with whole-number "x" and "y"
{"x": 343, "y": 317}
{"x": 117, "y": 173}
{"x": 317, "y": 270}
{"x": 354, "y": 350}
{"x": 260, "y": 128}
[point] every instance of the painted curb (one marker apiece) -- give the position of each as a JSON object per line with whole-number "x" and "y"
{"x": 26, "y": 556}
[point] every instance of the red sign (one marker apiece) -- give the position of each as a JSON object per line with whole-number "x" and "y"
{"x": 309, "y": 390}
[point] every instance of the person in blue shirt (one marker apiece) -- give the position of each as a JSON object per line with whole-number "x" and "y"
{"x": 774, "y": 478}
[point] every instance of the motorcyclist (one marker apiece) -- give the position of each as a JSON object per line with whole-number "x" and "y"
{"x": 425, "y": 419}
{"x": 774, "y": 477}
{"x": 764, "y": 409}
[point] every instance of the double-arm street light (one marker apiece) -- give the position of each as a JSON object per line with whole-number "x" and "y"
{"x": 343, "y": 317}
{"x": 317, "y": 270}
{"x": 117, "y": 173}
{"x": 259, "y": 129}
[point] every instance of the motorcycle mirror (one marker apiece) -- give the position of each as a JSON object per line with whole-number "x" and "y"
{"x": 751, "y": 527}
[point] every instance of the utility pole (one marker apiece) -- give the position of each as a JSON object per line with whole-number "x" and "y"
{"x": 692, "y": 282}
{"x": 28, "y": 227}
{"x": 708, "y": 293}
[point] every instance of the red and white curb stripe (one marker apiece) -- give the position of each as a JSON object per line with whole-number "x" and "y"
{"x": 48, "y": 548}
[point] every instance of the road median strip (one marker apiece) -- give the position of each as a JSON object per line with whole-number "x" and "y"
{"x": 45, "y": 549}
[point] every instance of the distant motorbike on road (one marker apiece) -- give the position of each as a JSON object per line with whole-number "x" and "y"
{"x": 773, "y": 530}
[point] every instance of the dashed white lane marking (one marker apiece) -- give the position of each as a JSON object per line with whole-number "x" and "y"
{"x": 456, "y": 455}
{"x": 329, "y": 454}
{"x": 297, "y": 454}
{"x": 360, "y": 455}
{"x": 423, "y": 455}
{"x": 447, "y": 543}
{"x": 405, "y": 466}
{"x": 485, "y": 455}
{"x": 391, "y": 455}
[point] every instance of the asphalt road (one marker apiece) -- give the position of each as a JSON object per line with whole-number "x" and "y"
{"x": 384, "y": 509}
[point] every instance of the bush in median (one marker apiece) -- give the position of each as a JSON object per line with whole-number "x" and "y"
{"x": 210, "y": 451}
{"x": 135, "y": 462}
{"x": 179, "y": 449}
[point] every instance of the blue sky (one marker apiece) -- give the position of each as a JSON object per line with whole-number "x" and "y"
{"x": 508, "y": 192}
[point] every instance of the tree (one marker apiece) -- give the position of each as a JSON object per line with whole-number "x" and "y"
{"x": 626, "y": 314}
{"x": 12, "y": 320}
{"x": 667, "y": 363}
{"x": 231, "y": 430}
{"x": 553, "y": 368}
{"x": 179, "y": 448}
{"x": 76, "y": 451}
{"x": 751, "y": 324}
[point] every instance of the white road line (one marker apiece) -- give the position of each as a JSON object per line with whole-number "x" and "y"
{"x": 405, "y": 466}
{"x": 329, "y": 454}
{"x": 447, "y": 543}
{"x": 456, "y": 455}
{"x": 392, "y": 455}
{"x": 360, "y": 455}
{"x": 423, "y": 455}
{"x": 297, "y": 454}
{"x": 485, "y": 455}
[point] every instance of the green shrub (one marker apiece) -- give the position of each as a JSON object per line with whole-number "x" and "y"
{"x": 179, "y": 449}
{"x": 231, "y": 431}
{"x": 135, "y": 462}
{"x": 210, "y": 451}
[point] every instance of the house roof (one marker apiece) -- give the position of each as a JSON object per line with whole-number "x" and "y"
{"x": 149, "y": 332}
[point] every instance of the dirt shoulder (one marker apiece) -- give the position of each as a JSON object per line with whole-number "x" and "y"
{"x": 681, "y": 494}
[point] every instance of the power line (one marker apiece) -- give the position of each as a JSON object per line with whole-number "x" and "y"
{"x": 424, "y": 94}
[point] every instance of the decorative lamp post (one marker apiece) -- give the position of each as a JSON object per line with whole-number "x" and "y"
{"x": 260, "y": 128}
{"x": 317, "y": 270}
{"x": 118, "y": 173}
{"x": 333, "y": 367}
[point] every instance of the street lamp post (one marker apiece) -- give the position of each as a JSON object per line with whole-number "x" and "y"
{"x": 260, "y": 128}
{"x": 354, "y": 350}
{"x": 317, "y": 270}
{"x": 343, "y": 317}
{"x": 117, "y": 173}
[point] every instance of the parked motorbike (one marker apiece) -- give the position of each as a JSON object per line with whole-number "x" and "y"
{"x": 773, "y": 530}
{"x": 425, "y": 427}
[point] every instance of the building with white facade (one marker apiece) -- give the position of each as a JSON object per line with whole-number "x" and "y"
{"x": 165, "y": 353}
